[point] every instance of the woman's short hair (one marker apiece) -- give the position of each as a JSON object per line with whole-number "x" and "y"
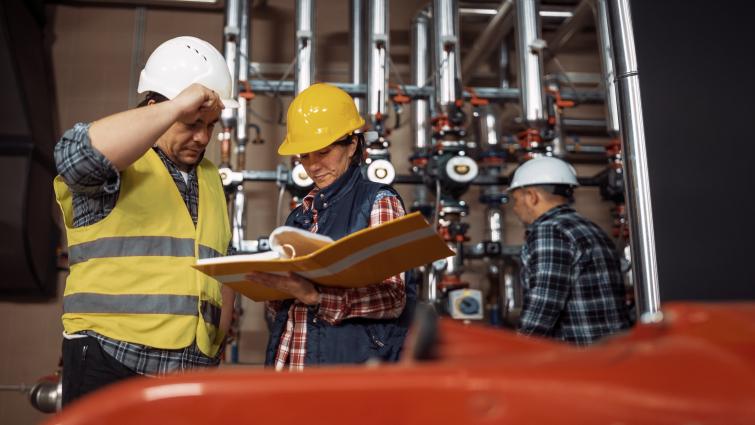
{"x": 359, "y": 152}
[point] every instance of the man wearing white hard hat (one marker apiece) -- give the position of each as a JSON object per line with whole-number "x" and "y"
{"x": 571, "y": 274}
{"x": 141, "y": 204}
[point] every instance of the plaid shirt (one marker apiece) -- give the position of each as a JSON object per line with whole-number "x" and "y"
{"x": 573, "y": 286}
{"x": 384, "y": 300}
{"x": 95, "y": 184}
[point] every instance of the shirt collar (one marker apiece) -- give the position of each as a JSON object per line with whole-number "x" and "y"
{"x": 308, "y": 200}
{"x": 168, "y": 162}
{"x": 338, "y": 188}
{"x": 551, "y": 213}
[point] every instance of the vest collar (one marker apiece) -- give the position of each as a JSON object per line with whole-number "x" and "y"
{"x": 338, "y": 188}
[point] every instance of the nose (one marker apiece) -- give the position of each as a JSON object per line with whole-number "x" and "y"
{"x": 202, "y": 136}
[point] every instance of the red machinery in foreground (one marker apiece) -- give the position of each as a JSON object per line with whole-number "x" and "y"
{"x": 695, "y": 367}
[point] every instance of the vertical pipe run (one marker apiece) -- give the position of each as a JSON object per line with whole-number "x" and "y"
{"x": 488, "y": 131}
{"x": 244, "y": 55}
{"x": 495, "y": 224}
{"x": 231, "y": 50}
{"x": 420, "y": 111}
{"x": 609, "y": 73}
{"x": 445, "y": 24}
{"x": 377, "y": 71}
{"x": 356, "y": 39}
{"x": 239, "y": 197}
{"x": 637, "y": 180}
{"x": 504, "y": 64}
{"x": 530, "y": 63}
{"x": 304, "y": 73}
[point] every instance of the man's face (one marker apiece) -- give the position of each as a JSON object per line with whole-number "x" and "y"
{"x": 185, "y": 143}
{"x": 522, "y": 206}
{"x": 328, "y": 164}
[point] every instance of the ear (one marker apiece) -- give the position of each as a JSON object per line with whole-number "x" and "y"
{"x": 151, "y": 102}
{"x": 533, "y": 197}
{"x": 352, "y": 148}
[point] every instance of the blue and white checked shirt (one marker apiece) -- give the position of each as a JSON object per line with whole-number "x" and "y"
{"x": 95, "y": 184}
{"x": 572, "y": 280}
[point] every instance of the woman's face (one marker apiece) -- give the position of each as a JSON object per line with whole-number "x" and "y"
{"x": 328, "y": 164}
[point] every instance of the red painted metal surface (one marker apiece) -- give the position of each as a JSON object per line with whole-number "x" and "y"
{"x": 696, "y": 367}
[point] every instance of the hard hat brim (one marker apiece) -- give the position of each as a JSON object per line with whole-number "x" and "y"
{"x": 288, "y": 148}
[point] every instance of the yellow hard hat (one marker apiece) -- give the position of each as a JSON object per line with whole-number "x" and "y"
{"x": 317, "y": 117}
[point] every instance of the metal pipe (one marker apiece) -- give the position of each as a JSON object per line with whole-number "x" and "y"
{"x": 243, "y": 68}
{"x": 377, "y": 64}
{"x": 486, "y": 126}
{"x": 637, "y": 181}
{"x": 420, "y": 109}
{"x": 511, "y": 94}
{"x": 558, "y": 144}
{"x": 445, "y": 59}
{"x": 609, "y": 73}
{"x": 356, "y": 39}
{"x": 231, "y": 51}
{"x": 304, "y": 73}
{"x": 530, "y": 64}
{"x": 497, "y": 29}
{"x": 239, "y": 197}
{"x": 494, "y": 221}
{"x": 580, "y": 18}
{"x": 504, "y": 64}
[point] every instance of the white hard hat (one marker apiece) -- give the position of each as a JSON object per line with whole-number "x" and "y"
{"x": 544, "y": 170}
{"x": 183, "y": 61}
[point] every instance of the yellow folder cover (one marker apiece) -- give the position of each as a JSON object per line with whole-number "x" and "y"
{"x": 362, "y": 258}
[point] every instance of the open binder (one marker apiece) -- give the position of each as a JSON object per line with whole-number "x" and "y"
{"x": 360, "y": 259}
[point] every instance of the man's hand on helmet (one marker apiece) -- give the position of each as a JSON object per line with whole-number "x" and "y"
{"x": 196, "y": 101}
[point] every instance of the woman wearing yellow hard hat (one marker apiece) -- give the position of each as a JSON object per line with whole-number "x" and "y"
{"x": 326, "y": 325}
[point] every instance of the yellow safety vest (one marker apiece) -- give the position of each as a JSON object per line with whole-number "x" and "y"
{"x": 130, "y": 276}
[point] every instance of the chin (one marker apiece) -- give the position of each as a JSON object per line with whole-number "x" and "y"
{"x": 189, "y": 160}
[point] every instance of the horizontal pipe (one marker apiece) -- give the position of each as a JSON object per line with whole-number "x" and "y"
{"x": 480, "y": 180}
{"x": 491, "y": 93}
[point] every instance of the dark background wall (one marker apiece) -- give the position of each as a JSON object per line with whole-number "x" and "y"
{"x": 28, "y": 236}
{"x": 696, "y": 81}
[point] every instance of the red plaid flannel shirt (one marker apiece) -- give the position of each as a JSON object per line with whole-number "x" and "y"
{"x": 384, "y": 300}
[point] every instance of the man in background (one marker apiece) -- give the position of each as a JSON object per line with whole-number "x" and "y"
{"x": 571, "y": 273}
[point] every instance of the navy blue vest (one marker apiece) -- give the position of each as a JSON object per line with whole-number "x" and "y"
{"x": 343, "y": 208}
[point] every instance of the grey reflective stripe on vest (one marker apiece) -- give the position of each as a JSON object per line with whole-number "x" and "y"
{"x": 131, "y": 247}
{"x": 181, "y": 305}
{"x": 207, "y": 252}
{"x": 87, "y": 302}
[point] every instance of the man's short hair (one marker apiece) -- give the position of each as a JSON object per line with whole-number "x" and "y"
{"x": 562, "y": 190}
{"x": 152, "y": 95}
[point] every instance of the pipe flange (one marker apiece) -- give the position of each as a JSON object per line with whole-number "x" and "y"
{"x": 381, "y": 171}
{"x": 462, "y": 169}
{"x": 300, "y": 177}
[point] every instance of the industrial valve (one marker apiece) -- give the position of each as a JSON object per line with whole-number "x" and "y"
{"x": 378, "y": 166}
